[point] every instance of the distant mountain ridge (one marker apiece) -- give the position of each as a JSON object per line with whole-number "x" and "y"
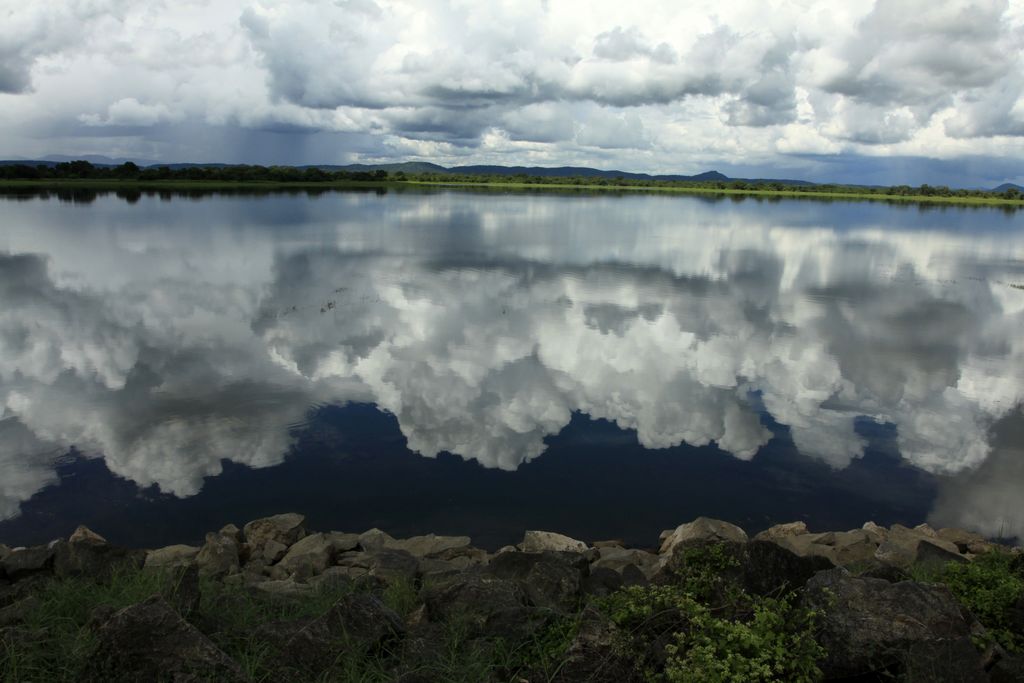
{"x": 476, "y": 169}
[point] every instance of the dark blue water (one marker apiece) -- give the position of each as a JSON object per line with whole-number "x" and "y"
{"x": 604, "y": 366}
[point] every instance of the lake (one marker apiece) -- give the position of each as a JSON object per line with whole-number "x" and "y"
{"x": 482, "y": 363}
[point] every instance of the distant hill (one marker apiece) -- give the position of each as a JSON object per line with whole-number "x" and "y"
{"x": 1008, "y": 186}
{"x": 424, "y": 167}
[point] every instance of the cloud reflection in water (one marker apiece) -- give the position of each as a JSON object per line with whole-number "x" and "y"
{"x": 170, "y": 336}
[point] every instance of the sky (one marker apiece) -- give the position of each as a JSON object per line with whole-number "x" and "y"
{"x": 895, "y": 91}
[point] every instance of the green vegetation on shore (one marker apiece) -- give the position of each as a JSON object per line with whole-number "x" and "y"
{"x": 83, "y": 175}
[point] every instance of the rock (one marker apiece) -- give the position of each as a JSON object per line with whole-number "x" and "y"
{"x": 926, "y": 529}
{"x": 374, "y": 539}
{"x": 807, "y": 545}
{"x": 271, "y": 552}
{"x": 182, "y": 592}
{"x": 615, "y": 543}
{"x": 878, "y": 533}
{"x": 473, "y": 598}
{"x": 879, "y": 570}
{"x": 218, "y": 557}
{"x": 539, "y": 541}
{"x": 86, "y": 553}
{"x": 602, "y": 581}
{"x": 432, "y": 568}
{"x": 550, "y": 579}
{"x": 22, "y": 562}
{"x": 965, "y": 541}
{"x": 171, "y": 556}
{"x": 769, "y": 569}
{"x": 343, "y": 542}
{"x": 932, "y": 556}
{"x": 782, "y": 531}
{"x": 429, "y": 545}
{"x": 901, "y": 547}
{"x": 284, "y": 529}
{"x": 150, "y": 641}
{"x": 358, "y": 620}
{"x": 308, "y": 557}
{"x": 286, "y": 588}
{"x": 596, "y": 655}
{"x": 388, "y": 565}
{"x": 507, "y": 549}
{"x": 702, "y": 529}
{"x": 954, "y": 661}
{"x": 4, "y": 551}
{"x": 618, "y": 559}
{"x": 867, "y": 626}
{"x": 18, "y": 612}
{"x": 332, "y": 578}
{"x": 232, "y": 532}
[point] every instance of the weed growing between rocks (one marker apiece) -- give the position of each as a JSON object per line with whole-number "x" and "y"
{"x": 705, "y": 628}
{"x": 992, "y": 588}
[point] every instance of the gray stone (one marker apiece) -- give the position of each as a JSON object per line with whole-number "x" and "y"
{"x": 539, "y": 541}
{"x": 782, "y": 531}
{"x": 284, "y": 528}
{"x": 171, "y": 556}
{"x": 965, "y": 541}
{"x": 933, "y": 556}
{"x": 878, "y": 533}
{"x": 387, "y": 565}
{"x": 182, "y": 591}
{"x": 429, "y": 545}
{"x": 232, "y": 532}
{"x": 474, "y": 599}
{"x": 867, "y": 626}
{"x": 700, "y": 530}
{"x": 374, "y": 539}
{"x": 22, "y": 562}
{"x": 4, "y": 551}
{"x": 343, "y": 542}
{"x": 150, "y": 641}
{"x": 618, "y": 559}
{"x": 218, "y": 556}
{"x": 86, "y": 553}
{"x": 431, "y": 568}
{"x": 283, "y": 588}
{"x": 308, "y": 557}
{"x": 272, "y": 551}
{"x": 550, "y": 579}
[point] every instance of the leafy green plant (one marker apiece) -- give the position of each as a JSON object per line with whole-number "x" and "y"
{"x": 992, "y": 588}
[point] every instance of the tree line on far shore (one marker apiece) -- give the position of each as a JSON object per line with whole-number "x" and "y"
{"x": 84, "y": 170}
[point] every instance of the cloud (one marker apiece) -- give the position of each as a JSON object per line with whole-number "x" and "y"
{"x": 520, "y": 83}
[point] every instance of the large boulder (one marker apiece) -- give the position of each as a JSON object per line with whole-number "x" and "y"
{"x": 900, "y": 549}
{"x": 870, "y": 627}
{"x": 760, "y": 567}
{"x": 388, "y": 565}
{"x": 624, "y": 560}
{"x": 550, "y": 579}
{"x": 702, "y": 530}
{"x": 473, "y": 599}
{"x": 307, "y": 557}
{"x": 22, "y": 562}
{"x": 358, "y": 621}
{"x": 782, "y": 531}
{"x": 4, "y": 551}
{"x": 284, "y": 529}
{"x": 86, "y": 553}
{"x": 171, "y": 557}
{"x": 149, "y": 641}
{"x": 218, "y": 556}
{"x": 375, "y": 539}
{"x": 539, "y": 541}
{"x": 966, "y": 541}
{"x": 431, "y": 545}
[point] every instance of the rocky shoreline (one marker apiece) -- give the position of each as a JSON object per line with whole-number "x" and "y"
{"x": 873, "y": 614}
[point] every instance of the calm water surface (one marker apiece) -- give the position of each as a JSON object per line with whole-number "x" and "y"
{"x": 456, "y": 362}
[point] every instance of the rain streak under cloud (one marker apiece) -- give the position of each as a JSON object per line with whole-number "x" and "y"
{"x": 887, "y": 92}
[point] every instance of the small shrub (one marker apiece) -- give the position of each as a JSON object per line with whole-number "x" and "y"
{"x": 992, "y": 588}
